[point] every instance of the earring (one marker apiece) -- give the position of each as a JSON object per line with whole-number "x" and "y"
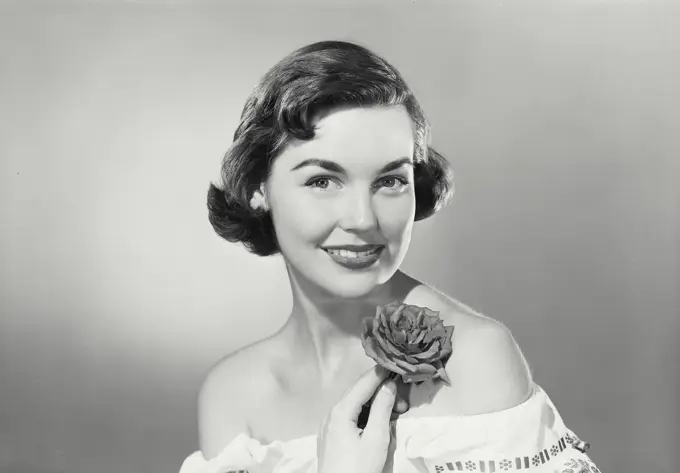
{"x": 258, "y": 202}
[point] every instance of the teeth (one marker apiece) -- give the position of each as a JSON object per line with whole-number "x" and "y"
{"x": 350, "y": 254}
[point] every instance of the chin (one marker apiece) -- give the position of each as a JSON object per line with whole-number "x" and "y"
{"x": 355, "y": 293}
{"x": 354, "y": 286}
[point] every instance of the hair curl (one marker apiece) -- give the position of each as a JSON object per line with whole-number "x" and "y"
{"x": 282, "y": 106}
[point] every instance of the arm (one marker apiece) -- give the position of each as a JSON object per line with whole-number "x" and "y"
{"x": 495, "y": 376}
{"x": 487, "y": 368}
{"x": 490, "y": 369}
{"x": 220, "y": 409}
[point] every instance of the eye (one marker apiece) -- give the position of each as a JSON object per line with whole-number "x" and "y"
{"x": 317, "y": 182}
{"x": 402, "y": 181}
{"x": 312, "y": 182}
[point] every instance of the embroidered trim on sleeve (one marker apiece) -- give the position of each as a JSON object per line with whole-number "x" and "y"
{"x": 526, "y": 462}
{"x": 580, "y": 465}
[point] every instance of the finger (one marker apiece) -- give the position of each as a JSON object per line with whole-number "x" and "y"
{"x": 390, "y": 375}
{"x": 401, "y": 405}
{"x": 351, "y": 402}
{"x": 377, "y": 428}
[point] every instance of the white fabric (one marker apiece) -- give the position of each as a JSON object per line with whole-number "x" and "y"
{"x": 529, "y": 437}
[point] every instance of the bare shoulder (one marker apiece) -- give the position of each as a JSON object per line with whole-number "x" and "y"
{"x": 487, "y": 369}
{"x": 230, "y": 387}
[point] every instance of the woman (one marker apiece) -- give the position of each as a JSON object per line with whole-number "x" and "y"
{"x": 330, "y": 167}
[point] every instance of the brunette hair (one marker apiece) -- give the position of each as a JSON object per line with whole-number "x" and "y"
{"x": 282, "y": 106}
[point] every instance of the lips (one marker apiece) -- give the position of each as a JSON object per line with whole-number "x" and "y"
{"x": 359, "y": 262}
{"x": 354, "y": 248}
{"x": 362, "y": 253}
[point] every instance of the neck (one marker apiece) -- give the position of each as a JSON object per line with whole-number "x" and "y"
{"x": 324, "y": 332}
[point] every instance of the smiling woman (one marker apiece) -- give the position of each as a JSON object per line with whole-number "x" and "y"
{"x": 302, "y": 98}
{"x": 361, "y": 185}
{"x": 330, "y": 168}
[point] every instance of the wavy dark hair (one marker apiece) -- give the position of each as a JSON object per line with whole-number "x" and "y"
{"x": 312, "y": 79}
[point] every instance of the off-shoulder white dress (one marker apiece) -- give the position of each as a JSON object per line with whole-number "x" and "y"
{"x": 530, "y": 437}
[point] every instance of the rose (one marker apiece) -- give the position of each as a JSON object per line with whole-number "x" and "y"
{"x": 409, "y": 340}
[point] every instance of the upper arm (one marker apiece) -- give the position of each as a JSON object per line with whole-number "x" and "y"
{"x": 220, "y": 409}
{"x": 490, "y": 369}
{"x": 486, "y": 368}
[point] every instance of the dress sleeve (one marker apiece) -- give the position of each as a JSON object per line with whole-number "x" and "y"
{"x": 530, "y": 437}
{"x": 247, "y": 455}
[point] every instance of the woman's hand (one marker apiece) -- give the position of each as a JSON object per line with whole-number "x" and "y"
{"x": 342, "y": 446}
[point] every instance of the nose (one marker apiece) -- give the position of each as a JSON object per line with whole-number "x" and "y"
{"x": 357, "y": 213}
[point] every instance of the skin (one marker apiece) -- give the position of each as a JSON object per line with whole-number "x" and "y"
{"x": 295, "y": 376}
{"x": 312, "y": 207}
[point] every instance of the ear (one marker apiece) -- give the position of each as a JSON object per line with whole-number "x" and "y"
{"x": 259, "y": 199}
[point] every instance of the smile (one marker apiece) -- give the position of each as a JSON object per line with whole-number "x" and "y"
{"x": 354, "y": 260}
{"x": 352, "y": 254}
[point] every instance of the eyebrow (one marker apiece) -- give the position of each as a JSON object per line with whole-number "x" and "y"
{"x": 335, "y": 167}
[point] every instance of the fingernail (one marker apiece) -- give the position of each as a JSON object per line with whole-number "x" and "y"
{"x": 402, "y": 406}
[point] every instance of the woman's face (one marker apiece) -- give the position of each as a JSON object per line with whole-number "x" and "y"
{"x": 361, "y": 202}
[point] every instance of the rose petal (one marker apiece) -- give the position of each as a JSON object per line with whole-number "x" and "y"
{"x": 437, "y": 326}
{"x": 383, "y": 320}
{"x": 425, "y": 368}
{"x": 396, "y": 314}
{"x": 415, "y": 368}
{"x": 375, "y": 345}
{"x": 387, "y": 346}
{"x": 380, "y": 331}
{"x": 373, "y": 351}
{"x": 445, "y": 352}
{"x": 434, "y": 349}
{"x": 441, "y": 372}
{"x": 410, "y": 359}
{"x": 379, "y": 310}
{"x": 419, "y": 318}
{"x": 429, "y": 336}
{"x": 389, "y": 364}
{"x": 447, "y": 344}
{"x": 431, "y": 312}
{"x": 385, "y": 338}
{"x": 400, "y": 337}
{"x": 404, "y": 365}
{"x": 420, "y": 337}
{"x": 371, "y": 348}
{"x": 367, "y": 327}
{"x": 415, "y": 378}
{"x": 438, "y": 334}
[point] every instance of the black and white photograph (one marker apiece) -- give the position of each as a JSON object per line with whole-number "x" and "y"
{"x": 339, "y": 236}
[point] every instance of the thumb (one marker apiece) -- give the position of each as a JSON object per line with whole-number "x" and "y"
{"x": 377, "y": 431}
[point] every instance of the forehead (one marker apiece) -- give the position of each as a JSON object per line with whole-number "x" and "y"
{"x": 357, "y": 135}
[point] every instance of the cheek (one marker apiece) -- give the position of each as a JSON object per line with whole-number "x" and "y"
{"x": 299, "y": 220}
{"x": 302, "y": 217}
{"x": 397, "y": 214}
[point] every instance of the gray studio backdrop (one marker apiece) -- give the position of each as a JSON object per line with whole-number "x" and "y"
{"x": 559, "y": 119}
